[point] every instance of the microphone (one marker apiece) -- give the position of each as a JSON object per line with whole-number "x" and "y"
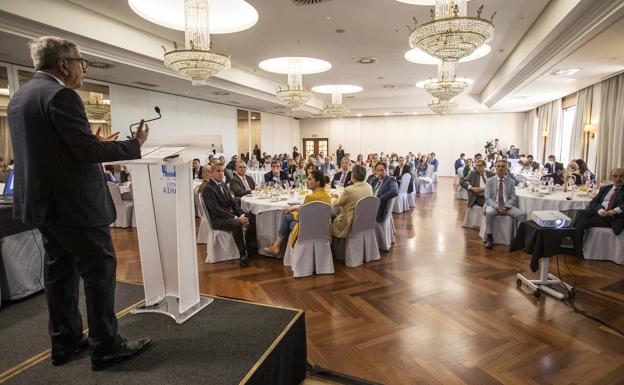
{"x": 157, "y": 109}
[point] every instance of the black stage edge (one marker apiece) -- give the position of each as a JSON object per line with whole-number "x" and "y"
{"x": 228, "y": 342}
{"x": 24, "y": 323}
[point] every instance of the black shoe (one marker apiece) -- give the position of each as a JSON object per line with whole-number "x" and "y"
{"x": 61, "y": 358}
{"x": 489, "y": 244}
{"x": 244, "y": 261}
{"x": 127, "y": 350}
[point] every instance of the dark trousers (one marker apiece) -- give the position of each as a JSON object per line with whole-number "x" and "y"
{"x": 71, "y": 253}
{"x": 245, "y": 241}
{"x": 585, "y": 219}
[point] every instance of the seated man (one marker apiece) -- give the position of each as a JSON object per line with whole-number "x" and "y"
{"x": 552, "y": 166}
{"x": 475, "y": 183}
{"x": 606, "y": 209}
{"x": 500, "y": 199}
{"x": 197, "y": 169}
{"x": 461, "y": 162}
{"x": 232, "y": 164}
{"x": 328, "y": 166}
{"x": 343, "y": 176}
{"x": 530, "y": 164}
{"x": 276, "y": 175}
{"x": 206, "y": 174}
{"x": 401, "y": 169}
{"x": 225, "y": 214}
{"x": 385, "y": 187}
{"x": 572, "y": 172}
{"x": 469, "y": 166}
{"x": 359, "y": 189}
{"x": 316, "y": 183}
{"x": 241, "y": 184}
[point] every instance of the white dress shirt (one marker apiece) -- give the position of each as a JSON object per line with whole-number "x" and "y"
{"x": 607, "y": 198}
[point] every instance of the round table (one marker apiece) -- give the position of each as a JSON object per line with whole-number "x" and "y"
{"x": 530, "y": 202}
{"x": 268, "y": 218}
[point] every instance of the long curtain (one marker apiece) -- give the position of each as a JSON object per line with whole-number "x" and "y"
{"x": 610, "y": 146}
{"x": 530, "y": 139}
{"x": 6, "y": 149}
{"x": 548, "y": 116}
{"x": 578, "y": 140}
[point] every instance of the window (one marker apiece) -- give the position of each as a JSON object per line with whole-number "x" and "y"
{"x": 563, "y": 146}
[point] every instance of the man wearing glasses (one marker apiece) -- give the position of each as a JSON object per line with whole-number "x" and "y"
{"x": 51, "y": 135}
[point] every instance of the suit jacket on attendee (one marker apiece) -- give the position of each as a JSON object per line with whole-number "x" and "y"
{"x": 435, "y": 162}
{"x": 389, "y": 189}
{"x": 52, "y": 142}
{"x": 491, "y": 192}
{"x": 398, "y": 174}
{"x": 327, "y": 168}
{"x": 221, "y": 206}
{"x": 268, "y": 177}
{"x": 459, "y": 163}
{"x": 337, "y": 176}
{"x": 198, "y": 173}
{"x": 339, "y": 155}
{"x": 617, "y": 222}
{"x": 472, "y": 180}
{"x": 552, "y": 170}
{"x": 467, "y": 170}
{"x": 342, "y": 224}
{"x": 238, "y": 187}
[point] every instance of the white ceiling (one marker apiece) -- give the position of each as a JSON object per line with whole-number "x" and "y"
{"x": 372, "y": 28}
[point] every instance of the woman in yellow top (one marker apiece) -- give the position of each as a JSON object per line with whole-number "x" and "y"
{"x": 316, "y": 183}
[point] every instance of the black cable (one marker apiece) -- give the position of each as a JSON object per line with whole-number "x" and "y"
{"x": 570, "y": 300}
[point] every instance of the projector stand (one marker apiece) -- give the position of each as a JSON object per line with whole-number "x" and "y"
{"x": 535, "y": 285}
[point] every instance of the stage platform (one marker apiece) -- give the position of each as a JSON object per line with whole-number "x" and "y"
{"x": 228, "y": 342}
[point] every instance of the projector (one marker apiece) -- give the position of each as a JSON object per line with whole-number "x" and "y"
{"x": 552, "y": 219}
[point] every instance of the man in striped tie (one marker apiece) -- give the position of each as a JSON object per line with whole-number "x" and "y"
{"x": 500, "y": 199}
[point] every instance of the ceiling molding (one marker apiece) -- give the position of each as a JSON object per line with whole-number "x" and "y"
{"x": 588, "y": 19}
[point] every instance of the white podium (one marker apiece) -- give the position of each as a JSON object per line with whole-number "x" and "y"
{"x": 165, "y": 218}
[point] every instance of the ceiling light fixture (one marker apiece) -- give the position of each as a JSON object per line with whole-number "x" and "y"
{"x": 565, "y": 71}
{"x": 418, "y": 56}
{"x": 386, "y": 113}
{"x": 336, "y": 109}
{"x": 451, "y": 34}
{"x": 295, "y": 96}
{"x": 442, "y": 107}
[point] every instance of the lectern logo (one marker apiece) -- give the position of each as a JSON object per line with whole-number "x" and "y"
{"x": 168, "y": 179}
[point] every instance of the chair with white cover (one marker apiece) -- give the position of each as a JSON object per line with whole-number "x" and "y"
{"x": 220, "y": 245}
{"x": 312, "y": 251}
{"x": 474, "y": 217}
{"x": 361, "y": 244}
{"x": 402, "y": 202}
{"x": 384, "y": 231}
{"x": 601, "y": 243}
{"x": 459, "y": 174}
{"x": 123, "y": 208}
{"x": 504, "y": 230}
{"x": 432, "y": 174}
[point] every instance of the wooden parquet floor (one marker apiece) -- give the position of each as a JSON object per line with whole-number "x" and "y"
{"x": 438, "y": 308}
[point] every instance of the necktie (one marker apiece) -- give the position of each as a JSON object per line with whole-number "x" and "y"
{"x": 244, "y": 179}
{"x": 501, "y": 193}
{"x": 377, "y": 186}
{"x": 222, "y": 190}
{"x": 613, "y": 198}
{"x": 343, "y": 177}
{"x": 483, "y": 178}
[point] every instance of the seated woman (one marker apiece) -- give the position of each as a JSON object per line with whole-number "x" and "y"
{"x": 315, "y": 182}
{"x": 350, "y": 196}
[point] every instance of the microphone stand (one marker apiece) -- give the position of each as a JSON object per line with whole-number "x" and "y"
{"x": 149, "y": 120}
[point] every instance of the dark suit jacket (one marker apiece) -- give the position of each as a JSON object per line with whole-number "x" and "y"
{"x": 398, "y": 174}
{"x": 388, "y": 190}
{"x": 268, "y": 177}
{"x": 221, "y": 207}
{"x": 472, "y": 179}
{"x": 549, "y": 167}
{"x": 52, "y": 141}
{"x": 339, "y": 155}
{"x": 458, "y": 164}
{"x": 617, "y": 222}
{"x": 337, "y": 177}
{"x": 238, "y": 188}
{"x": 199, "y": 173}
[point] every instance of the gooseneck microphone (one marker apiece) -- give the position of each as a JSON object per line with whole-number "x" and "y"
{"x": 157, "y": 109}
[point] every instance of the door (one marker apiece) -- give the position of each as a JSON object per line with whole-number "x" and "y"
{"x": 314, "y": 146}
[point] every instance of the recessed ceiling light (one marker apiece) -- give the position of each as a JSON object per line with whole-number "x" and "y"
{"x": 415, "y": 112}
{"x": 340, "y": 30}
{"x": 569, "y": 80}
{"x": 359, "y": 114}
{"x": 475, "y": 111}
{"x": 331, "y": 88}
{"x": 386, "y": 113}
{"x": 221, "y": 93}
{"x": 366, "y": 60}
{"x": 225, "y": 16}
{"x": 388, "y": 86}
{"x": 303, "y": 65}
{"x": 418, "y": 56}
{"x": 421, "y": 84}
{"x": 565, "y": 71}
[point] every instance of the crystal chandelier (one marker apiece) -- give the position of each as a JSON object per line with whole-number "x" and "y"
{"x": 442, "y": 107}
{"x": 295, "y": 96}
{"x": 197, "y": 61}
{"x": 451, "y": 34}
{"x": 337, "y": 109}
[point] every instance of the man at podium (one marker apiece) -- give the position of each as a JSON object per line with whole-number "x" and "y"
{"x": 53, "y": 142}
{"x": 225, "y": 214}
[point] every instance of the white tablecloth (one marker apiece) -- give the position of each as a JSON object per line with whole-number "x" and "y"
{"x": 257, "y": 176}
{"x": 268, "y": 218}
{"x": 530, "y": 202}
